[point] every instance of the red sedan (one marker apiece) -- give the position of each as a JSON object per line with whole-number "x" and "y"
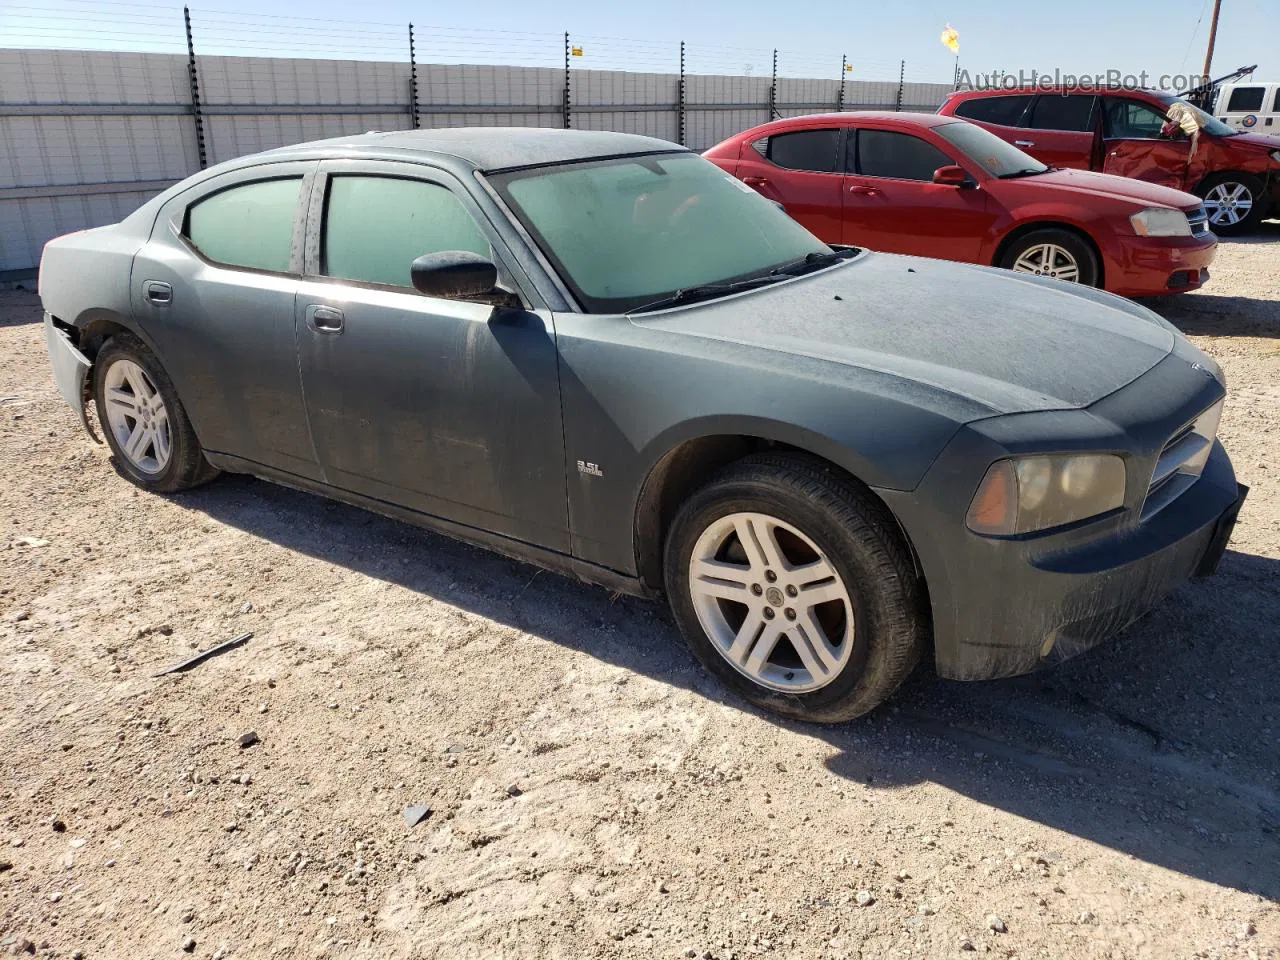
{"x": 935, "y": 186}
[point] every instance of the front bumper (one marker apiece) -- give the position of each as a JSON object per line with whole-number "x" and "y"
{"x": 1150, "y": 266}
{"x": 1006, "y": 606}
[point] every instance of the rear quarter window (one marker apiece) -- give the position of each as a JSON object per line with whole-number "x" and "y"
{"x": 1005, "y": 111}
{"x": 248, "y": 225}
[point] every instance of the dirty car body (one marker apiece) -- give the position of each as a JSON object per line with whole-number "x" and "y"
{"x": 565, "y": 421}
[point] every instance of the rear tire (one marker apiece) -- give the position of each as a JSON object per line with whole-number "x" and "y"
{"x": 1053, "y": 253}
{"x": 143, "y": 420}
{"x": 1237, "y": 200}
{"x": 792, "y": 584}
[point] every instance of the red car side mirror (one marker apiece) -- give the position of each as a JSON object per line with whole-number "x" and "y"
{"x": 952, "y": 176}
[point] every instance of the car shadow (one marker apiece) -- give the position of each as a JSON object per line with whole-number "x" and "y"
{"x": 1162, "y": 744}
{"x": 1212, "y": 315}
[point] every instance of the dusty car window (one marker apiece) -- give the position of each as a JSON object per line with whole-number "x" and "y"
{"x": 884, "y": 153}
{"x": 375, "y": 227}
{"x": 630, "y": 231}
{"x": 1053, "y": 111}
{"x": 250, "y": 225}
{"x": 1006, "y": 111}
{"x": 996, "y": 156}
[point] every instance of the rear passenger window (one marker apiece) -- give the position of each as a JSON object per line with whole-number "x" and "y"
{"x": 1056, "y": 112}
{"x": 375, "y": 227}
{"x": 1245, "y": 99}
{"x": 250, "y": 225}
{"x": 883, "y": 153}
{"x": 812, "y": 150}
{"x": 1006, "y": 111}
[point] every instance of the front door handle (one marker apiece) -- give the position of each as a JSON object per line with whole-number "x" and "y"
{"x": 755, "y": 181}
{"x": 1024, "y": 143}
{"x": 324, "y": 319}
{"x": 158, "y": 292}
{"x": 862, "y": 190}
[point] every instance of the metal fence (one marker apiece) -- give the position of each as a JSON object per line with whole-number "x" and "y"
{"x": 87, "y": 136}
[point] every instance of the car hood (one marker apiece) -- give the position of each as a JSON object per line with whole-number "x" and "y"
{"x": 1263, "y": 141}
{"x": 1007, "y": 342}
{"x": 1116, "y": 188}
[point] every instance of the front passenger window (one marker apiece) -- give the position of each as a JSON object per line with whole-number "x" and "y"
{"x": 375, "y": 227}
{"x": 250, "y": 225}
{"x": 1131, "y": 120}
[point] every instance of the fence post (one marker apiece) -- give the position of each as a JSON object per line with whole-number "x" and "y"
{"x": 413, "y": 80}
{"x": 902, "y": 72}
{"x": 773, "y": 89}
{"x": 844, "y": 60}
{"x": 568, "y": 103}
{"x": 195, "y": 89}
{"x": 680, "y": 90}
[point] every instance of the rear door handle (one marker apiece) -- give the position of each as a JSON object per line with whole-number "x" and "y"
{"x": 324, "y": 319}
{"x": 158, "y": 292}
{"x": 1024, "y": 143}
{"x": 755, "y": 181}
{"x": 862, "y": 190}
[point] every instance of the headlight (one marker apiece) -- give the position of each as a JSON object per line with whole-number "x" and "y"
{"x": 1160, "y": 222}
{"x": 1035, "y": 493}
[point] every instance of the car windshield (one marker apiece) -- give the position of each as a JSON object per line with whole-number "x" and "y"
{"x": 1207, "y": 123}
{"x": 631, "y": 231}
{"x": 996, "y": 156}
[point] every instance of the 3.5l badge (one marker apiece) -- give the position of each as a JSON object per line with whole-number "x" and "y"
{"x": 589, "y": 469}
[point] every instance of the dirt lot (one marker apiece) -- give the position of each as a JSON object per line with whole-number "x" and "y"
{"x": 593, "y": 793}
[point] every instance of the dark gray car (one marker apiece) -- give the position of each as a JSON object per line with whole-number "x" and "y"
{"x": 599, "y": 353}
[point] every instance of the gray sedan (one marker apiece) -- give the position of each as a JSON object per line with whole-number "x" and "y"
{"x": 601, "y": 354}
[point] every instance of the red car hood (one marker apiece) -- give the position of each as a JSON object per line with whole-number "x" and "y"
{"x": 1265, "y": 141}
{"x": 1117, "y": 188}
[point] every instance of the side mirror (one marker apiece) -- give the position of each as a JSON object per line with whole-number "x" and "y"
{"x": 454, "y": 274}
{"x": 952, "y": 176}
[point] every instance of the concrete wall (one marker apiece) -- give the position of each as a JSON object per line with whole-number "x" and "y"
{"x": 86, "y": 137}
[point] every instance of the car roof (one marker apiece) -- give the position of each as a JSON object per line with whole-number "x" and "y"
{"x": 1088, "y": 90}
{"x": 485, "y": 148}
{"x": 849, "y": 117}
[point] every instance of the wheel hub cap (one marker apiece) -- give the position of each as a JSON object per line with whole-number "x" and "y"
{"x": 1228, "y": 203}
{"x": 1048, "y": 260}
{"x": 771, "y": 602}
{"x": 137, "y": 416}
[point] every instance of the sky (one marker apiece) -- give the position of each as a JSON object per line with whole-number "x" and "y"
{"x": 1084, "y": 37}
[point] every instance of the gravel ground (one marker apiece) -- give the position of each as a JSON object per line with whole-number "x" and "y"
{"x": 592, "y": 792}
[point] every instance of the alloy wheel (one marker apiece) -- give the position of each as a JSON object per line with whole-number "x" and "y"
{"x": 1227, "y": 203}
{"x": 771, "y": 602}
{"x": 1048, "y": 260}
{"x": 137, "y": 416}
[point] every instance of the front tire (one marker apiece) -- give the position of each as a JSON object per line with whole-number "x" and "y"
{"x": 1234, "y": 202}
{"x": 793, "y": 585}
{"x": 1059, "y": 254}
{"x": 145, "y": 424}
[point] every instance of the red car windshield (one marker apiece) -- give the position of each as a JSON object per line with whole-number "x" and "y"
{"x": 1207, "y": 123}
{"x": 995, "y": 156}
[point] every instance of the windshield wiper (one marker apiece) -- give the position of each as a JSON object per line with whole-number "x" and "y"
{"x": 707, "y": 291}
{"x": 1024, "y": 172}
{"x": 814, "y": 261}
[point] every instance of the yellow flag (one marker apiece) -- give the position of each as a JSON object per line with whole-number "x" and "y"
{"x": 848, "y": 68}
{"x": 951, "y": 39}
{"x": 576, "y": 51}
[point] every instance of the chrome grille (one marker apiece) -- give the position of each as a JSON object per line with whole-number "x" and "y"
{"x": 1199, "y": 221}
{"x": 1182, "y": 461}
